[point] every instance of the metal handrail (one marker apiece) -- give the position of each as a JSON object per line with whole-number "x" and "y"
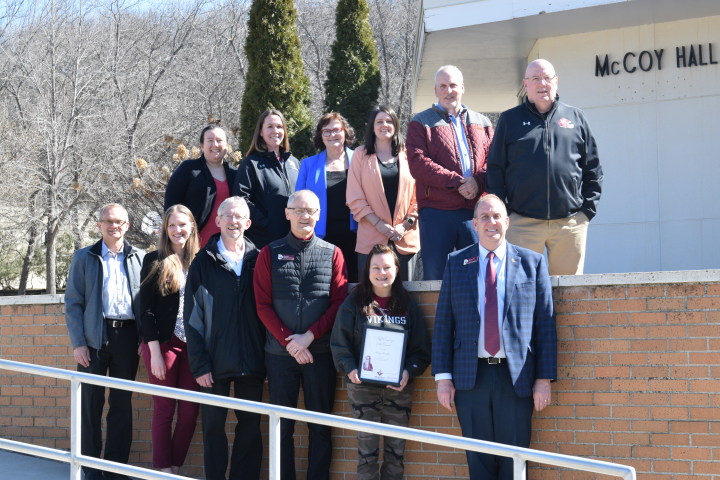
{"x": 275, "y": 412}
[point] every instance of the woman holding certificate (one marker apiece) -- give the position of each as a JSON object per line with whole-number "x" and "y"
{"x": 379, "y": 341}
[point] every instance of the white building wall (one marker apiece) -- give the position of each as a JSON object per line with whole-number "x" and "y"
{"x": 658, "y": 134}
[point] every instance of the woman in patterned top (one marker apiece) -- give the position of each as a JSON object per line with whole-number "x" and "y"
{"x": 164, "y": 348}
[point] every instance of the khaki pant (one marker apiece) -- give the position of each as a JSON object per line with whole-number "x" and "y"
{"x": 564, "y": 239}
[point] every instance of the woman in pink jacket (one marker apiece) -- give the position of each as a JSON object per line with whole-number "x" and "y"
{"x": 381, "y": 193}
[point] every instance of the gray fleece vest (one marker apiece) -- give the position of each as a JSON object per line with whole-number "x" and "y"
{"x": 301, "y": 275}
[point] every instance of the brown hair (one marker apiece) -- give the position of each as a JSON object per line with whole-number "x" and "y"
{"x": 324, "y": 121}
{"x": 212, "y": 126}
{"x": 399, "y": 296}
{"x": 258, "y": 144}
{"x": 168, "y": 267}
{"x": 397, "y": 141}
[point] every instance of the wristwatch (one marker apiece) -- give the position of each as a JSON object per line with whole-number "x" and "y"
{"x": 410, "y": 221}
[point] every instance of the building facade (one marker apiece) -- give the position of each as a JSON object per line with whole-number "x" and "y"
{"x": 647, "y": 74}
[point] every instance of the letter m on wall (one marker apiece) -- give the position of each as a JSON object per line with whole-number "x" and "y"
{"x": 603, "y": 69}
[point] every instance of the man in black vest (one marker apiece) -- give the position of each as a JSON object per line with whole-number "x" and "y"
{"x": 300, "y": 283}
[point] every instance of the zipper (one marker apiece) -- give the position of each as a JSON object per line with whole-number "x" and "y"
{"x": 546, "y": 141}
{"x": 547, "y": 154}
{"x": 302, "y": 276}
{"x": 283, "y": 172}
{"x": 237, "y": 293}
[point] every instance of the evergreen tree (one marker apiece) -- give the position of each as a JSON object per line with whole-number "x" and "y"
{"x": 353, "y": 76}
{"x": 276, "y": 75}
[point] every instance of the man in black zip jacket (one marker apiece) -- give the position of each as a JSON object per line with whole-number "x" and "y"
{"x": 225, "y": 341}
{"x": 544, "y": 163}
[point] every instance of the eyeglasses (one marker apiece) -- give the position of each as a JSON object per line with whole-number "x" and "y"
{"x": 114, "y": 223}
{"x": 327, "y": 132}
{"x": 302, "y": 211}
{"x": 537, "y": 79}
{"x": 232, "y": 218}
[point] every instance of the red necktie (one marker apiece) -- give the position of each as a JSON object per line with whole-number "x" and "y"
{"x": 492, "y": 336}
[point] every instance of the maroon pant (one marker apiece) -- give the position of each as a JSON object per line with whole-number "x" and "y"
{"x": 170, "y": 449}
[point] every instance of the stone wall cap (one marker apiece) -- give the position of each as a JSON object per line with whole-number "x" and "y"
{"x": 644, "y": 278}
{"x": 32, "y": 300}
{"x": 604, "y": 279}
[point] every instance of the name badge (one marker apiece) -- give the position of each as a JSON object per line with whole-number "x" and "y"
{"x": 288, "y": 257}
{"x": 468, "y": 261}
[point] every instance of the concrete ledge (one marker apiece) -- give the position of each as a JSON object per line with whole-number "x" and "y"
{"x": 32, "y": 300}
{"x": 640, "y": 278}
{"x": 645, "y": 278}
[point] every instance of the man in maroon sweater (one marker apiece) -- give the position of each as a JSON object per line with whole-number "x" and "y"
{"x": 300, "y": 282}
{"x": 447, "y": 147}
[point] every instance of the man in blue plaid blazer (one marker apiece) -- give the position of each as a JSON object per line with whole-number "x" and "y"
{"x": 495, "y": 371}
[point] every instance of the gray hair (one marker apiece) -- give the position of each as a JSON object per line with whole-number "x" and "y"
{"x": 111, "y": 205}
{"x": 449, "y": 69}
{"x": 236, "y": 201}
{"x": 302, "y": 193}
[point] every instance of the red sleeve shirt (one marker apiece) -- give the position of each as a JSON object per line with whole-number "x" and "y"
{"x": 262, "y": 280}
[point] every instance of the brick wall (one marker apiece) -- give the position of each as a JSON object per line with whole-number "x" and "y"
{"x": 639, "y": 384}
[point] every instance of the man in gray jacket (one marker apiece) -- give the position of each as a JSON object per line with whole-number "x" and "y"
{"x": 102, "y": 312}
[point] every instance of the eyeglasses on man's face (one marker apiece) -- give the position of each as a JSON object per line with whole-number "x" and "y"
{"x": 114, "y": 223}
{"x": 302, "y": 211}
{"x": 232, "y": 218}
{"x": 536, "y": 80}
{"x": 326, "y": 132}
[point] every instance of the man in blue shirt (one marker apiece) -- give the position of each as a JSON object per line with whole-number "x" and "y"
{"x": 102, "y": 304}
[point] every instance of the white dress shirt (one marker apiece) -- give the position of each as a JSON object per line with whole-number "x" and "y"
{"x": 234, "y": 260}
{"x": 117, "y": 302}
{"x": 499, "y": 260}
{"x": 500, "y": 269}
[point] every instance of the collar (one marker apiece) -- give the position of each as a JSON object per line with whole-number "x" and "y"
{"x": 440, "y": 109}
{"x": 532, "y": 106}
{"x": 104, "y": 249}
{"x": 299, "y": 243}
{"x": 500, "y": 252}
{"x": 222, "y": 250}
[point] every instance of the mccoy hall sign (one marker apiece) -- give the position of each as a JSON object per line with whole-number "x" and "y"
{"x": 694, "y": 56}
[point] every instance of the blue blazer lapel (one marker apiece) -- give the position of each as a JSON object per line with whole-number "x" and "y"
{"x": 512, "y": 264}
{"x": 473, "y": 272}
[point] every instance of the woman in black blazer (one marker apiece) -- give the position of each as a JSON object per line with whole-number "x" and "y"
{"x": 164, "y": 348}
{"x": 201, "y": 184}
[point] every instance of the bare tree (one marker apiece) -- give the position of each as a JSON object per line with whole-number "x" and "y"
{"x": 316, "y": 29}
{"x": 100, "y": 101}
{"x": 394, "y": 23}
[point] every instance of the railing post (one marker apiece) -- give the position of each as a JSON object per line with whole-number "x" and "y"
{"x": 75, "y": 422}
{"x": 274, "y": 447}
{"x": 519, "y": 468}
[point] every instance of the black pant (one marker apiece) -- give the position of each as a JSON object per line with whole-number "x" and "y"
{"x": 247, "y": 447}
{"x": 318, "y": 383}
{"x": 492, "y": 411}
{"x": 346, "y": 241}
{"x": 120, "y": 357}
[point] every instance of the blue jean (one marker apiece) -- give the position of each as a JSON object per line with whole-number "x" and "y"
{"x": 492, "y": 411}
{"x": 318, "y": 381}
{"x": 441, "y": 232}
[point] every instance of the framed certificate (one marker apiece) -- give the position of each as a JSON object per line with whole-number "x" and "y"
{"x": 383, "y": 355}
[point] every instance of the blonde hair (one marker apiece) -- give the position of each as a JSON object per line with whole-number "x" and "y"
{"x": 168, "y": 266}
